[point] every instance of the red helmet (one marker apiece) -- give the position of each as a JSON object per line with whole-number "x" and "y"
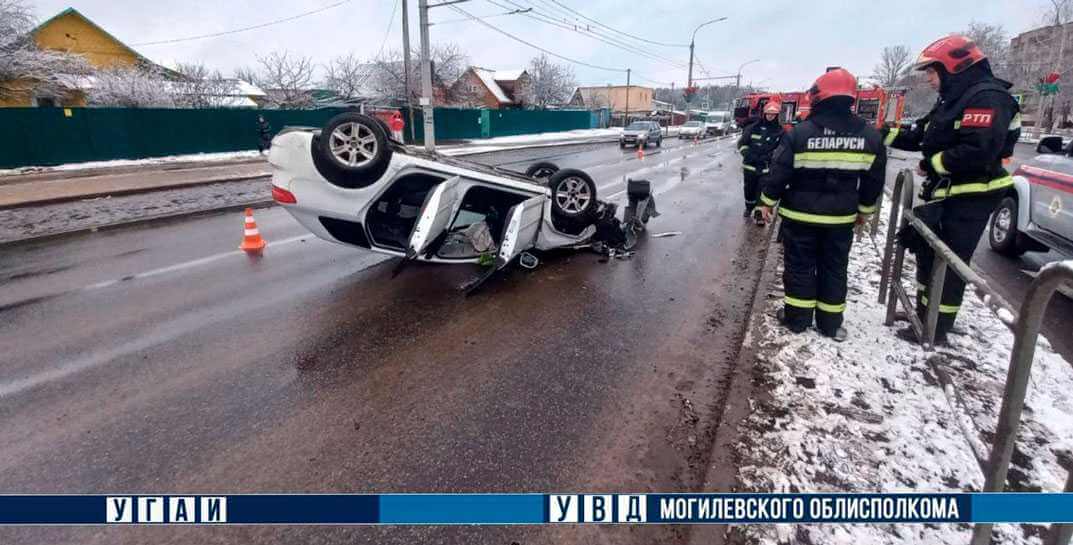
{"x": 955, "y": 52}
{"x": 773, "y": 106}
{"x": 835, "y": 83}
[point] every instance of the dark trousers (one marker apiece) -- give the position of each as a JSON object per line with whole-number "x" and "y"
{"x": 960, "y": 229}
{"x": 814, "y": 274}
{"x": 752, "y": 188}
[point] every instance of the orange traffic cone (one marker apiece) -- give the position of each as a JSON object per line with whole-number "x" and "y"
{"x": 641, "y": 153}
{"x": 252, "y": 243}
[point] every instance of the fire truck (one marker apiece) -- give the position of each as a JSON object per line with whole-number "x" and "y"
{"x": 876, "y": 105}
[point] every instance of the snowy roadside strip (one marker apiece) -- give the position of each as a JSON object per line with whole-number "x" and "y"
{"x": 870, "y": 414}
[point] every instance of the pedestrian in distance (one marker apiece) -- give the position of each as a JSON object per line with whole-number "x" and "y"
{"x": 973, "y": 126}
{"x": 825, "y": 178}
{"x": 757, "y": 145}
{"x": 264, "y": 134}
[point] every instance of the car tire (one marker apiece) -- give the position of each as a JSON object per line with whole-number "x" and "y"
{"x": 361, "y": 150}
{"x": 1002, "y": 233}
{"x": 541, "y": 170}
{"x": 573, "y": 195}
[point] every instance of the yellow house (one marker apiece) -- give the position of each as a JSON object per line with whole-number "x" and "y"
{"x": 72, "y": 32}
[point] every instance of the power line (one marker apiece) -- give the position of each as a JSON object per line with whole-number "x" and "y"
{"x": 583, "y": 16}
{"x": 464, "y": 19}
{"x": 243, "y": 29}
{"x": 590, "y": 33}
{"x": 534, "y": 46}
{"x": 390, "y": 22}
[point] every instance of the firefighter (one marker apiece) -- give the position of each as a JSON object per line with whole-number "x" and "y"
{"x": 972, "y": 128}
{"x": 826, "y": 176}
{"x": 757, "y": 144}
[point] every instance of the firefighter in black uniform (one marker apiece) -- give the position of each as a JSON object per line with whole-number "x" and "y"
{"x": 825, "y": 178}
{"x": 757, "y": 144}
{"x": 972, "y": 128}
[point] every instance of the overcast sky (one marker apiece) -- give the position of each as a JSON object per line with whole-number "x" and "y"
{"x": 794, "y": 40}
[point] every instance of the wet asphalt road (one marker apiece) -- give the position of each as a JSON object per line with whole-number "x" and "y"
{"x": 157, "y": 359}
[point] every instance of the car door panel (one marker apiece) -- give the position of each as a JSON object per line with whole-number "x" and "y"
{"x": 520, "y": 231}
{"x": 439, "y": 208}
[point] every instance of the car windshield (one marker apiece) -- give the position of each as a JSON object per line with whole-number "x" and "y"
{"x": 638, "y": 126}
{"x": 693, "y": 124}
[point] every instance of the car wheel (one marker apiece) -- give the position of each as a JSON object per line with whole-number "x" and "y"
{"x": 541, "y": 170}
{"x": 573, "y": 194}
{"x": 352, "y": 150}
{"x": 1003, "y": 235}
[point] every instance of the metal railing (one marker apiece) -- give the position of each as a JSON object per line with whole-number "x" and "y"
{"x": 1024, "y": 323}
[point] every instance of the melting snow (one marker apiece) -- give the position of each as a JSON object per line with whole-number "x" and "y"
{"x": 870, "y": 415}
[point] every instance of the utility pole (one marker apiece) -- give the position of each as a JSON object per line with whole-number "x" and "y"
{"x": 626, "y": 120}
{"x": 406, "y": 68}
{"x": 426, "y": 78}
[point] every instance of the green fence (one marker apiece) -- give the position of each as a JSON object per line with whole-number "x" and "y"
{"x": 52, "y": 136}
{"x": 468, "y": 124}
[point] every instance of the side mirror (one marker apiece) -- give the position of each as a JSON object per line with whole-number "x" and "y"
{"x": 1049, "y": 145}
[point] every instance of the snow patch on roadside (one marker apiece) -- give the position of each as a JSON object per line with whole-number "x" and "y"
{"x": 193, "y": 157}
{"x": 869, "y": 415}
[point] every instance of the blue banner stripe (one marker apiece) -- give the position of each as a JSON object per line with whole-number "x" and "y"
{"x": 462, "y": 508}
{"x": 1022, "y": 507}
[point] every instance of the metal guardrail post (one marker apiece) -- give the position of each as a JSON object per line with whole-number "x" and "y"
{"x": 888, "y": 248}
{"x": 902, "y": 200}
{"x": 1025, "y": 332}
{"x": 935, "y": 298}
{"x": 875, "y": 215}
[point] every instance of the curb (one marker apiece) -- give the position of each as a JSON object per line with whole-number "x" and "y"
{"x": 124, "y": 224}
{"x": 738, "y": 408}
{"x": 134, "y": 191}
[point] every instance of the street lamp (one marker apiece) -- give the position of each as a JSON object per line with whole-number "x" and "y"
{"x": 689, "y": 84}
{"x": 737, "y": 80}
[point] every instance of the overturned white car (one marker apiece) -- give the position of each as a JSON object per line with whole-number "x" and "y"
{"x": 349, "y": 183}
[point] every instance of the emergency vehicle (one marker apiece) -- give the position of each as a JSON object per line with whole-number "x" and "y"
{"x": 876, "y": 105}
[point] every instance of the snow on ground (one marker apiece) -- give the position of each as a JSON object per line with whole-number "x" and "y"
{"x": 193, "y": 157}
{"x": 868, "y": 415}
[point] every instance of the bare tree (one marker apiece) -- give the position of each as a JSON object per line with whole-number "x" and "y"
{"x": 550, "y": 83}
{"x": 26, "y": 69}
{"x": 247, "y": 74}
{"x": 348, "y": 76}
{"x": 892, "y": 66}
{"x": 1059, "y": 12}
{"x": 449, "y": 62}
{"x": 131, "y": 88}
{"x": 286, "y": 79}
{"x": 201, "y": 87}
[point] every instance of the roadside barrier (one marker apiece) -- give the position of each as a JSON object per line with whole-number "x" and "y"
{"x": 1024, "y": 323}
{"x": 252, "y": 243}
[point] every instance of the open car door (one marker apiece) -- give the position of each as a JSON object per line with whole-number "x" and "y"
{"x": 440, "y": 207}
{"x": 519, "y": 235}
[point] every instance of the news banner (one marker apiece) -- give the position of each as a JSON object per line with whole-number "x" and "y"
{"x": 500, "y": 509}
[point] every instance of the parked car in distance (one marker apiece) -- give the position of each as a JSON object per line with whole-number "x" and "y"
{"x": 640, "y": 134}
{"x": 1037, "y": 213}
{"x": 691, "y": 129}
